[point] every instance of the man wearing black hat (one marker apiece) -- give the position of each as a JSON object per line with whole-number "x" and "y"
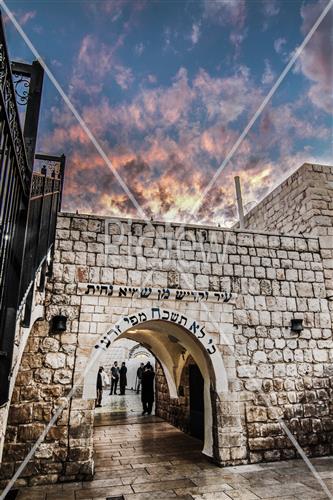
{"x": 147, "y": 392}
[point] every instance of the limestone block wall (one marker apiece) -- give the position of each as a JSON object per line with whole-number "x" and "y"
{"x": 175, "y": 411}
{"x": 44, "y": 379}
{"x": 21, "y": 337}
{"x": 303, "y": 203}
{"x": 272, "y": 372}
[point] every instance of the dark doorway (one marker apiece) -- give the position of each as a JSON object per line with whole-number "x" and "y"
{"x": 197, "y": 419}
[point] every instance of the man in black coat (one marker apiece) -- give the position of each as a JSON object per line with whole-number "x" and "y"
{"x": 147, "y": 392}
{"x": 139, "y": 377}
{"x": 99, "y": 387}
{"x": 123, "y": 378}
{"x": 114, "y": 378}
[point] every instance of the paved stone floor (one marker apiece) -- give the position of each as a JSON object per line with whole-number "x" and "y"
{"x": 145, "y": 458}
{"x": 130, "y": 404}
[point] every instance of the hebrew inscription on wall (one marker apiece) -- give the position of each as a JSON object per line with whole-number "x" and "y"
{"x": 153, "y": 293}
{"x": 157, "y": 313}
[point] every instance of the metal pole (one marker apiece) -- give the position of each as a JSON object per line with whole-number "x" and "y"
{"x": 239, "y": 202}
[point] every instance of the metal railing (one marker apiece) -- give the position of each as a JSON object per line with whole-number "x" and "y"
{"x": 29, "y": 203}
{"x": 44, "y": 204}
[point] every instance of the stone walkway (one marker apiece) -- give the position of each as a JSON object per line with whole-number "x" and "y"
{"x": 127, "y": 405}
{"x": 145, "y": 458}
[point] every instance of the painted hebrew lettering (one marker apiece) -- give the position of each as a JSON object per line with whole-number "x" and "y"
{"x": 211, "y": 350}
{"x": 118, "y": 329}
{"x": 180, "y": 294}
{"x": 142, "y": 317}
{"x": 165, "y": 315}
{"x": 203, "y": 333}
{"x": 182, "y": 319}
{"x": 157, "y": 311}
{"x": 105, "y": 340}
{"x": 114, "y": 331}
{"x": 194, "y": 327}
{"x": 163, "y": 294}
{"x": 174, "y": 316}
{"x": 134, "y": 320}
{"x": 90, "y": 287}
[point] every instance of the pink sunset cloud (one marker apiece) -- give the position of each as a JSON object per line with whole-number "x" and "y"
{"x": 167, "y": 175}
{"x": 167, "y": 139}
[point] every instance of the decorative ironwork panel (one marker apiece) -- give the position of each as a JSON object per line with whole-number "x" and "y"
{"x": 21, "y": 87}
{"x": 37, "y": 186}
{"x": 50, "y": 167}
{"x": 48, "y": 185}
{"x": 12, "y": 117}
{"x": 57, "y": 186}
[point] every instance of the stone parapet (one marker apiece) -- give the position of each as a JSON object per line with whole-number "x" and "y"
{"x": 301, "y": 204}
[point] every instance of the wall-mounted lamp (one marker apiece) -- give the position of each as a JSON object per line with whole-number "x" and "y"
{"x": 59, "y": 323}
{"x": 296, "y": 325}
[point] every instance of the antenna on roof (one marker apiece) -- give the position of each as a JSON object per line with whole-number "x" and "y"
{"x": 239, "y": 202}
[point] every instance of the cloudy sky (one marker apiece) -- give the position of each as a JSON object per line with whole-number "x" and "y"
{"x": 167, "y": 87}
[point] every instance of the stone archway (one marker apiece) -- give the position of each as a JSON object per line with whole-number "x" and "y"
{"x": 138, "y": 351}
{"x": 169, "y": 335}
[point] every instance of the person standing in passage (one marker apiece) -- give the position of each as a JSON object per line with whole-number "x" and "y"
{"x": 147, "y": 392}
{"x": 123, "y": 378}
{"x": 114, "y": 378}
{"x": 139, "y": 377}
{"x": 99, "y": 387}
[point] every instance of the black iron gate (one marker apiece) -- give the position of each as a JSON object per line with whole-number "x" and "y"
{"x": 29, "y": 201}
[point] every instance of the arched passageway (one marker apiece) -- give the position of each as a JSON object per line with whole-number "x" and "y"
{"x": 174, "y": 343}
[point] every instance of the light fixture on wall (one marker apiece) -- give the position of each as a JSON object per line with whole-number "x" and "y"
{"x": 296, "y": 325}
{"x": 59, "y": 323}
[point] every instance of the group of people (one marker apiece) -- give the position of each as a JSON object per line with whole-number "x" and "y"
{"x": 103, "y": 381}
{"x": 145, "y": 382}
{"x": 118, "y": 375}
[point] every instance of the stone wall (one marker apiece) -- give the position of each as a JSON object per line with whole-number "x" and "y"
{"x": 21, "y": 337}
{"x": 303, "y": 203}
{"x": 44, "y": 381}
{"x": 272, "y": 372}
{"x": 175, "y": 411}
